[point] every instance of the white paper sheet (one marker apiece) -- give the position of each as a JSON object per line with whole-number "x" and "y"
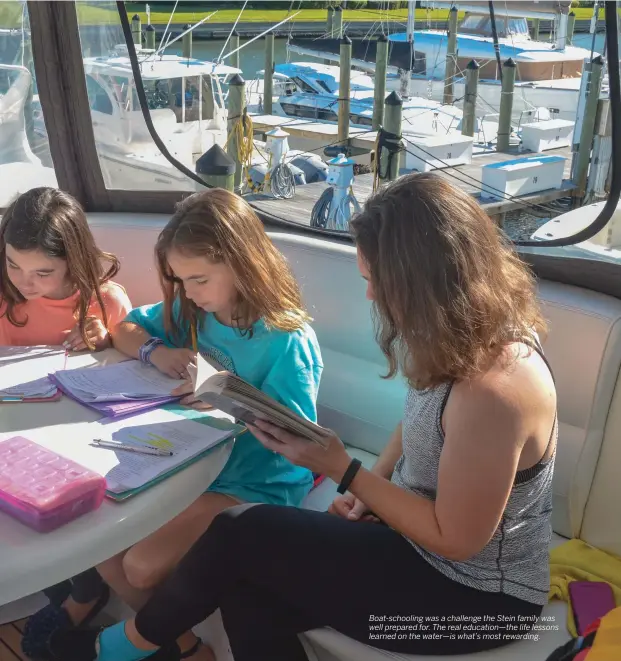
{"x": 129, "y": 380}
{"x": 24, "y": 370}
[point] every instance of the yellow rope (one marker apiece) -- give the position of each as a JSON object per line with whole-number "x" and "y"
{"x": 243, "y": 131}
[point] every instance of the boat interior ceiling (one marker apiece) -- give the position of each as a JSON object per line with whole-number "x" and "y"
{"x": 579, "y": 288}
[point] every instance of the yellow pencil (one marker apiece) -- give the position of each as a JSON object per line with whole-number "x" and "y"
{"x": 194, "y": 341}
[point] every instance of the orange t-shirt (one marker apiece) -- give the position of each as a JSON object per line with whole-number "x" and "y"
{"x": 49, "y": 320}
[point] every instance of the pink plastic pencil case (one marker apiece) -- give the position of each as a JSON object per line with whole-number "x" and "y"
{"x": 43, "y": 489}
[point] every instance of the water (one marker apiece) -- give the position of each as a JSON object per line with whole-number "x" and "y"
{"x": 252, "y": 57}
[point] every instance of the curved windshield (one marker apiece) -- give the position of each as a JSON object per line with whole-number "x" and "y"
{"x": 552, "y": 158}
{"x": 482, "y": 25}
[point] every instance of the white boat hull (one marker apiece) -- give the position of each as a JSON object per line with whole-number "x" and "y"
{"x": 561, "y": 95}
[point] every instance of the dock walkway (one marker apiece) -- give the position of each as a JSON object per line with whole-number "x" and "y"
{"x": 468, "y": 177}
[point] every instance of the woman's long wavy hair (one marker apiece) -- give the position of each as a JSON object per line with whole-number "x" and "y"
{"x": 222, "y": 227}
{"x": 52, "y": 221}
{"x": 450, "y": 292}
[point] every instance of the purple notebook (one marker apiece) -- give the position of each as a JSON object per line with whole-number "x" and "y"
{"x": 117, "y": 409}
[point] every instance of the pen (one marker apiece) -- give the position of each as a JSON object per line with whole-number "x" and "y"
{"x": 13, "y": 398}
{"x": 141, "y": 449}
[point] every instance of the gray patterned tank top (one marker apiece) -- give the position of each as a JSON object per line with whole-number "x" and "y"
{"x": 515, "y": 561}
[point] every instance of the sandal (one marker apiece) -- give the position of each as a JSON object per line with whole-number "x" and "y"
{"x": 81, "y": 645}
{"x": 42, "y": 625}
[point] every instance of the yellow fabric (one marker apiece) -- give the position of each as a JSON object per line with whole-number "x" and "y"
{"x": 607, "y": 644}
{"x": 577, "y": 561}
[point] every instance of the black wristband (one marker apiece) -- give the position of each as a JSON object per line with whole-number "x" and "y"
{"x": 350, "y": 473}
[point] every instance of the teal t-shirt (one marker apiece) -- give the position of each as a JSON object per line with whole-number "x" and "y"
{"x": 287, "y": 367}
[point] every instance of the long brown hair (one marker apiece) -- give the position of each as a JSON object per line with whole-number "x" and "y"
{"x": 222, "y": 227}
{"x": 52, "y": 221}
{"x": 449, "y": 290}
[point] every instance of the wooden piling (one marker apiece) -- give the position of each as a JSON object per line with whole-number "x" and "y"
{"x": 234, "y": 41}
{"x": 451, "y": 58}
{"x": 216, "y": 168}
{"x": 338, "y": 23}
{"x": 150, "y": 37}
{"x": 393, "y": 113}
{"x": 506, "y": 105}
{"x": 379, "y": 88}
{"x": 571, "y": 24}
{"x": 583, "y": 156}
{"x": 136, "y": 30}
{"x": 330, "y": 21}
{"x": 186, "y": 42}
{"x": 470, "y": 99}
{"x": 235, "y": 106}
{"x": 268, "y": 74}
{"x": 344, "y": 88}
{"x": 601, "y": 163}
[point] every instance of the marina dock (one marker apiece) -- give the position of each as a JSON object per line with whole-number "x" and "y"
{"x": 468, "y": 177}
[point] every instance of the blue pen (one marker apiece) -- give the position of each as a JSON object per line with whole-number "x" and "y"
{"x": 11, "y": 399}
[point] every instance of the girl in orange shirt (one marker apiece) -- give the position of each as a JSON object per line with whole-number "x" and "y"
{"x": 54, "y": 289}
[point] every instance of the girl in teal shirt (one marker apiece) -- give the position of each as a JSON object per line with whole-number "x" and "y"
{"x": 222, "y": 276}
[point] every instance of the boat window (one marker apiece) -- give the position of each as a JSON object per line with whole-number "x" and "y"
{"x": 157, "y": 93}
{"x": 128, "y": 156}
{"x": 517, "y": 26}
{"x": 25, "y": 159}
{"x": 98, "y": 98}
{"x": 305, "y": 87}
{"x": 323, "y": 85}
{"x": 161, "y": 156}
{"x": 471, "y": 23}
{"x": 482, "y": 25}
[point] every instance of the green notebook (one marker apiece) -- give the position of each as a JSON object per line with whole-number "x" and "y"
{"x": 203, "y": 418}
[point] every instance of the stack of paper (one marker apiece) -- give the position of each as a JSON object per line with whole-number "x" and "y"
{"x": 167, "y": 429}
{"x": 24, "y": 372}
{"x": 188, "y": 434}
{"x": 118, "y": 389}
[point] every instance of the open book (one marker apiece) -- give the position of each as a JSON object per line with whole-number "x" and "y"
{"x": 227, "y": 392}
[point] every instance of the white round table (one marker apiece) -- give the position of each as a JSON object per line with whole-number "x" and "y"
{"x": 31, "y": 561}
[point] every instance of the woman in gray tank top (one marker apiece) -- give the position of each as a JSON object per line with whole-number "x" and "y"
{"x": 441, "y": 548}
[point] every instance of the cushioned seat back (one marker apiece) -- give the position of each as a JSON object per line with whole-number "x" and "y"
{"x": 583, "y": 346}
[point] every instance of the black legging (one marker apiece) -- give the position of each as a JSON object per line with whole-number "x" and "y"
{"x": 278, "y": 571}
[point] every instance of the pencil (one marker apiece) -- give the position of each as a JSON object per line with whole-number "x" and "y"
{"x": 194, "y": 340}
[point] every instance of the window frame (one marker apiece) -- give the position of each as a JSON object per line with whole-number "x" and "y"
{"x": 58, "y": 65}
